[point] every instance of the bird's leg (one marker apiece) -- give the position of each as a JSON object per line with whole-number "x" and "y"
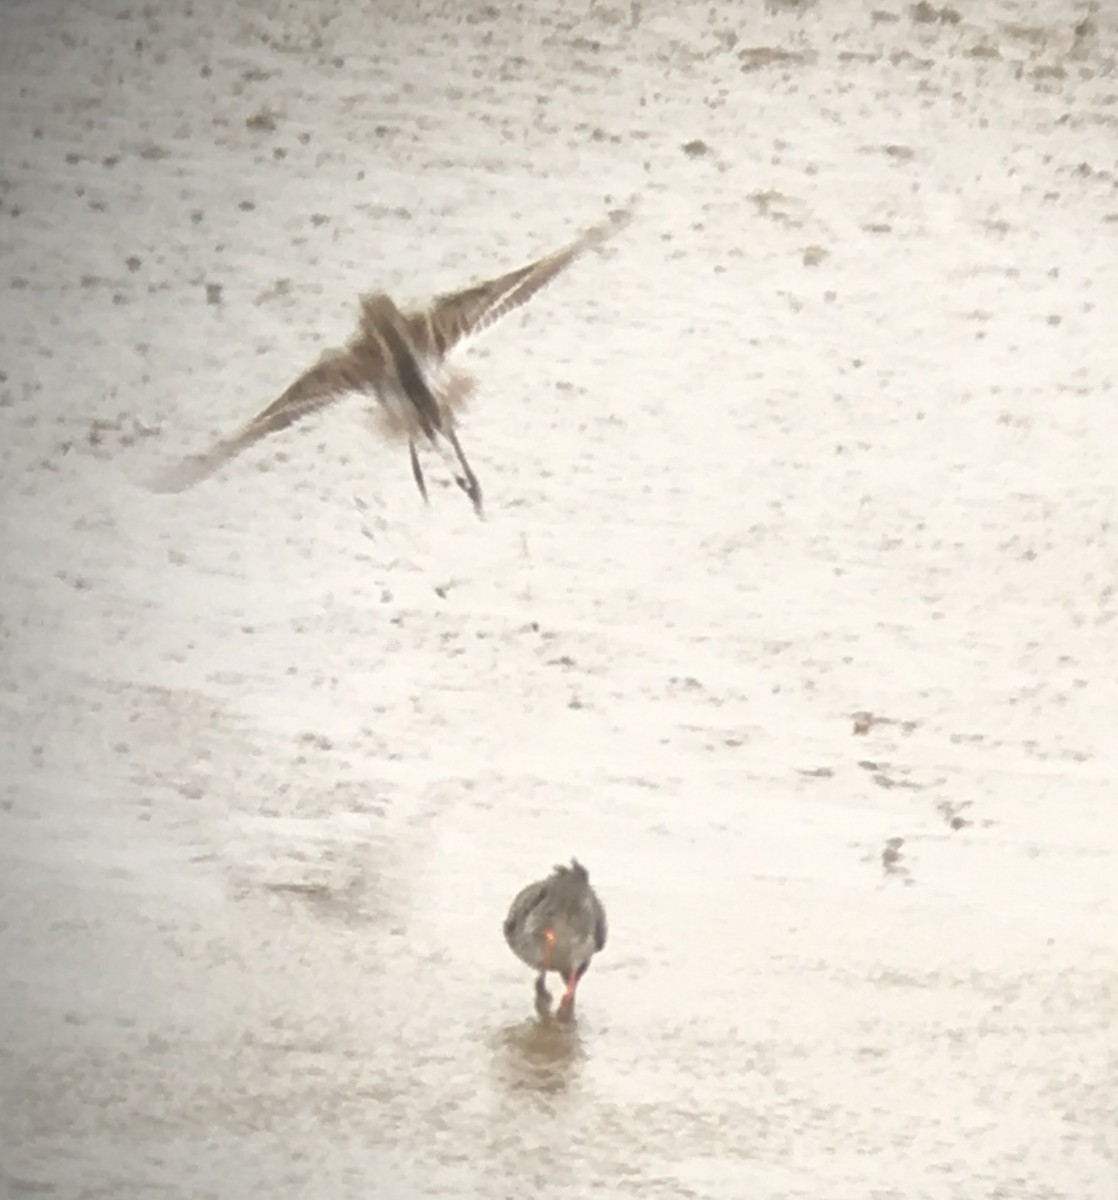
{"x": 543, "y": 996}
{"x": 417, "y": 471}
{"x": 469, "y": 484}
{"x": 566, "y": 1010}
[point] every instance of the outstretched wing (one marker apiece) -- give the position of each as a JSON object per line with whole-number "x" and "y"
{"x": 458, "y": 315}
{"x": 337, "y": 372}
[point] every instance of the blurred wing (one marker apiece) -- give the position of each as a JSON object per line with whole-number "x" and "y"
{"x": 521, "y": 908}
{"x": 459, "y": 315}
{"x": 336, "y": 373}
{"x": 601, "y": 928}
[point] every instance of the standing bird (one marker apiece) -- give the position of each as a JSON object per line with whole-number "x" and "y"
{"x": 557, "y": 924}
{"x": 400, "y": 357}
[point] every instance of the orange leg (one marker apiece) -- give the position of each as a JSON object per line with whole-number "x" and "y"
{"x": 566, "y": 1009}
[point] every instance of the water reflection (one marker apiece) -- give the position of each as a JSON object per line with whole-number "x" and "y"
{"x": 540, "y": 1056}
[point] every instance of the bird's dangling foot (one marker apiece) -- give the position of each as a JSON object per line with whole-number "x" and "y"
{"x": 417, "y": 472}
{"x": 466, "y": 480}
{"x": 472, "y": 489}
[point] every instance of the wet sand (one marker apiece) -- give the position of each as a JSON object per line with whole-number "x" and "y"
{"x": 793, "y": 617}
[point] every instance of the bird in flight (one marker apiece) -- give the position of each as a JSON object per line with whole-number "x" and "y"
{"x": 400, "y": 358}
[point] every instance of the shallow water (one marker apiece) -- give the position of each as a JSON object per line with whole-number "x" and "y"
{"x": 326, "y": 1002}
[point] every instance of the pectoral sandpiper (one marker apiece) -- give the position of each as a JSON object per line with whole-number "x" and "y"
{"x": 400, "y": 357}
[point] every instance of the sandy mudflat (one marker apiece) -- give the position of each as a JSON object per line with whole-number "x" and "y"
{"x": 831, "y": 429}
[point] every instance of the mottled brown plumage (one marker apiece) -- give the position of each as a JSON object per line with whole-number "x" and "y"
{"x": 400, "y": 357}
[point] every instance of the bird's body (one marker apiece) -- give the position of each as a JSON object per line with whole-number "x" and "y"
{"x": 557, "y": 924}
{"x": 400, "y": 358}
